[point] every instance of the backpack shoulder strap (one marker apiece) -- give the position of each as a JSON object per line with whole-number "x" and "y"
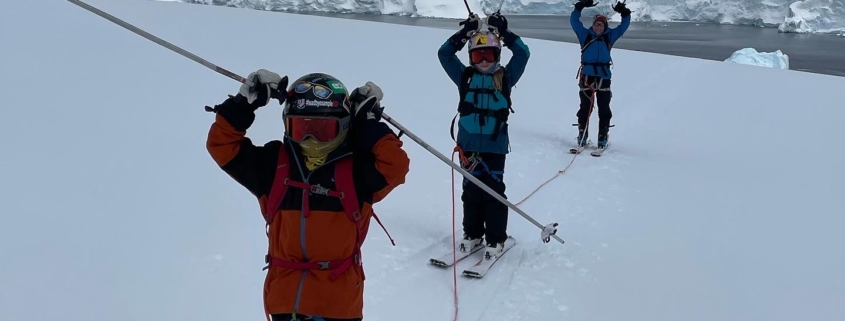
{"x": 349, "y": 199}
{"x": 279, "y": 188}
{"x": 506, "y": 89}
{"x": 466, "y": 78}
{"x": 587, "y": 42}
{"x": 463, "y": 88}
{"x": 346, "y": 187}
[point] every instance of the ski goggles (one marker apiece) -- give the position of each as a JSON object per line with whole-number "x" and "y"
{"x": 322, "y": 129}
{"x": 479, "y": 55}
{"x": 320, "y": 91}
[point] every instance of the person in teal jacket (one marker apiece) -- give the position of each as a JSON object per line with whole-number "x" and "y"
{"x": 484, "y": 106}
{"x": 594, "y": 74}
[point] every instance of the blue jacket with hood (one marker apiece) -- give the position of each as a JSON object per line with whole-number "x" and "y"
{"x": 476, "y": 132}
{"x": 597, "y": 51}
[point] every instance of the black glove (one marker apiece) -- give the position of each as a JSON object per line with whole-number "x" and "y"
{"x": 581, "y": 4}
{"x": 237, "y": 110}
{"x": 621, "y": 9}
{"x": 469, "y": 26}
{"x": 497, "y": 23}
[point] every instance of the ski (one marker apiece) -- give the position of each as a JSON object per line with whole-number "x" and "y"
{"x": 599, "y": 151}
{"x": 580, "y": 148}
{"x": 445, "y": 260}
{"x": 479, "y": 270}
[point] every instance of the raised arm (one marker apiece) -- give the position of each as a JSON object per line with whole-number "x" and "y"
{"x": 577, "y": 25}
{"x": 617, "y": 32}
{"x": 381, "y": 158}
{"x": 516, "y": 66}
{"x": 450, "y": 62}
{"x": 251, "y": 166}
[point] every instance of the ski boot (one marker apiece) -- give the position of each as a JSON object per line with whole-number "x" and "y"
{"x": 581, "y": 140}
{"x": 602, "y": 143}
{"x": 493, "y": 250}
{"x": 468, "y": 244}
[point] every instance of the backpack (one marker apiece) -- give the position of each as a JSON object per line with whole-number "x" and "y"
{"x": 348, "y": 198}
{"x": 466, "y": 108}
{"x": 589, "y": 41}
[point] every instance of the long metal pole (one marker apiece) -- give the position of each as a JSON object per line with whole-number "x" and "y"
{"x": 466, "y": 174}
{"x": 246, "y": 81}
{"x": 161, "y": 42}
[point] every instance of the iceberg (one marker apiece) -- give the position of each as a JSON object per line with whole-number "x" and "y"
{"x": 750, "y": 56}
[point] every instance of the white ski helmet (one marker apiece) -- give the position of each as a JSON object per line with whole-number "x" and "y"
{"x": 489, "y": 46}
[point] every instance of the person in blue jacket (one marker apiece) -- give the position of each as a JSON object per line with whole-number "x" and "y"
{"x": 484, "y": 106}
{"x": 594, "y": 74}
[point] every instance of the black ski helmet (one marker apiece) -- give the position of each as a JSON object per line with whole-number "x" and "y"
{"x": 317, "y": 94}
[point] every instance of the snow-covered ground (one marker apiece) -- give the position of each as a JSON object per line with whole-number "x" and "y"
{"x": 807, "y": 16}
{"x": 720, "y": 198}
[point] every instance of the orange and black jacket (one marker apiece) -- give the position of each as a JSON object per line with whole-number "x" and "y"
{"x": 379, "y": 165}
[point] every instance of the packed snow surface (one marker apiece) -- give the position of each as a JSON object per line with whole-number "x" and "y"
{"x": 714, "y": 201}
{"x": 808, "y": 16}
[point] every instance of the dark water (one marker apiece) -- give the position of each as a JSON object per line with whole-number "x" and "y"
{"x": 816, "y": 53}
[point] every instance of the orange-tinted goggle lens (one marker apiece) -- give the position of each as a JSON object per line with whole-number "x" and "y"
{"x": 480, "y": 55}
{"x": 322, "y": 129}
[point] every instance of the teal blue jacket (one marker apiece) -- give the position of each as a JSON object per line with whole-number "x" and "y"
{"x": 476, "y": 132}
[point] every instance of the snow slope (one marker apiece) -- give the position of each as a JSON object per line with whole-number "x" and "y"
{"x": 718, "y": 200}
{"x": 807, "y": 16}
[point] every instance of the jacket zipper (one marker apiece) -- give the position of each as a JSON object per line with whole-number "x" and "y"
{"x": 302, "y": 225}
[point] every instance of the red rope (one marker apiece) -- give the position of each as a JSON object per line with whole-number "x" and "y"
{"x": 563, "y": 171}
{"x": 454, "y": 241}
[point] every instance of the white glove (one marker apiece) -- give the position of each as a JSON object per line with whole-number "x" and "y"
{"x": 548, "y": 231}
{"x": 265, "y": 82}
{"x": 367, "y": 101}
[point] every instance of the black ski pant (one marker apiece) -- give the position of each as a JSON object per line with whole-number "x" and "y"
{"x": 485, "y": 216}
{"x": 601, "y": 86}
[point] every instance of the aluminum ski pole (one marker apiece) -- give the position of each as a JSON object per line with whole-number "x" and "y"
{"x": 499, "y": 10}
{"x": 163, "y": 43}
{"x": 468, "y": 175}
{"x": 248, "y": 82}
